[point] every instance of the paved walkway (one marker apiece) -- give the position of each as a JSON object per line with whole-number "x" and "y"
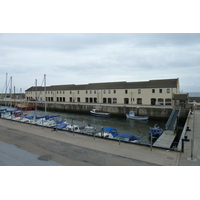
{"x": 191, "y": 155}
{"x": 11, "y": 155}
{"x": 125, "y": 153}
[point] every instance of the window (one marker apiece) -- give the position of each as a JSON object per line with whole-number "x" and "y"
{"x": 139, "y": 91}
{"x": 160, "y": 101}
{"x": 95, "y": 91}
{"x": 160, "y": 90}
{"x": 139, "y": 101}
{"x": 86, "y": 91}
{"x": 108, "y": 91}
{"x": 90, "y": 91}
{"x": 126, "y": 91}
{"x": 109, "y": 100}
{"x": 168, "y": 90}
{"x": 126, "y": 101}
{"x": 78, "y": 92}
{"x": 114, "y": 91}
{"x": 79, "y": 99}
{"x": 114, "y": 100}
{"x": 104, "y": 91}
{"x": 168, "y": 102}
{"x": 153, "y": 90}
{"x": 70, "y": 92}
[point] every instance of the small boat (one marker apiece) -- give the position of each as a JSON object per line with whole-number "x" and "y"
{"x": 108, "y": 132}
{"x": 26, "y": 106}
{"x": 61, "y": 126}
{"x": 98, "y": 113}
{"x": 132, "y": 115}
{"x": 128, "y": 137}
{"x": 156, "y": 132}
{"x": 89, "y": 130}
{"x": 72, "y": 128}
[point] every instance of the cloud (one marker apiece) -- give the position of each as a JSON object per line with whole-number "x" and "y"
{"x": 89, "y": 58}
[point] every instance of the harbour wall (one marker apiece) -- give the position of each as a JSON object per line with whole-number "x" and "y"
{"x": 154, "y": 112}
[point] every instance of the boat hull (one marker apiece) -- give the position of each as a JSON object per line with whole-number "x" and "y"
{"x": 100, "y": 114}
{"x": 26, "y": 108}
{"x": 143, "y": 118}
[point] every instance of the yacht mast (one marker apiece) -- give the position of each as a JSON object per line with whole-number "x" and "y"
{"x": 11, "y": 91}
{"x": 45, "y": 90}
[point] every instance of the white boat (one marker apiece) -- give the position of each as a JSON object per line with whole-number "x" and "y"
{"x": 72, "y": 128}
{"x": 108, "y": 132}
{"x": 132, "y": 115}
{"x": 96, "y": 112}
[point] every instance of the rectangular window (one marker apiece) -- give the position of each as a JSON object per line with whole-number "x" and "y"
{"x": 114, "y": 100}
{"x": 86, "y": 91}
{"x": 77, "y": 92}
{"x": 139, "y": 91}
{"x": 160, "y": 90}
{"x": 108, "y": 91}
{"x": 153, "y": 90}
{"x": 90, "y": 91}
{"x": 95, "y": 91}
{"x": 168, "y": 90}
{"x": 104, "y": 91}
{"x": 126, "y": 91}
{"x": 114, "y": 91}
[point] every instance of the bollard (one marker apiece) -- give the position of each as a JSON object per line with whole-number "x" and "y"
{"x": 185, "y": 139}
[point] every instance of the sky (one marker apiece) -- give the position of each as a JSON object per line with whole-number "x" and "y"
{"x": 86, "y": 42}
{"x": 82, "y": 58}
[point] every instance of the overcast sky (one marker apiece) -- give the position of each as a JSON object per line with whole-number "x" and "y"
{"x": 92, "y": 58}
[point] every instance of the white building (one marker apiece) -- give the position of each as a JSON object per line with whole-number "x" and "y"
{"x": 152, "y": 92}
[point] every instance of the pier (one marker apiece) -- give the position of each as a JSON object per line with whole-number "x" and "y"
{"x": 168, "y": 136}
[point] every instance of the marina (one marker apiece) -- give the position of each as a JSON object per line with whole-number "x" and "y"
{"x": 78, "y": 122}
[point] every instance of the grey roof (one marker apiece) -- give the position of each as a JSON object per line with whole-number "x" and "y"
{"x": 164, "y": 83}
{"x": 180, "y": 96}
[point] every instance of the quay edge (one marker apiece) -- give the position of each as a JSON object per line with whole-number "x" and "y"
{"x": 154, "y": 112}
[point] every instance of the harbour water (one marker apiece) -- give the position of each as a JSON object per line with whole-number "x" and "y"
{"x": 194, "y": 94}
{"x": 123, "y": 125}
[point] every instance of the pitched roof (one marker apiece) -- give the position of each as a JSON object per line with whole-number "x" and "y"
{"x": 163, "y": 83}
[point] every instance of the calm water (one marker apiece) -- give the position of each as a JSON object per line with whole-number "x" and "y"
{"x": 123, "y": 125}
{"x": 194, "y": 94}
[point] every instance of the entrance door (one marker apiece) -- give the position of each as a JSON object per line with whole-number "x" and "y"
{"x": 153, "y": 102}
{"x": 126, "y": 101}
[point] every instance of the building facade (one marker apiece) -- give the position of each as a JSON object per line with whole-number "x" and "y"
{"x": 152, "y": 92}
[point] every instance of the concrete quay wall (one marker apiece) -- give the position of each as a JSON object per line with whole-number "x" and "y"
{"x": 154, "y": 112}
{"x": 118, "y": 111}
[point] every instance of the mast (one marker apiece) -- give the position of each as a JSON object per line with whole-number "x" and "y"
{"x": 11, "y": 91}
{"x": 36, "y": 89}
{"x": 6, "y": 88}
{"x": 45, "y": 90}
